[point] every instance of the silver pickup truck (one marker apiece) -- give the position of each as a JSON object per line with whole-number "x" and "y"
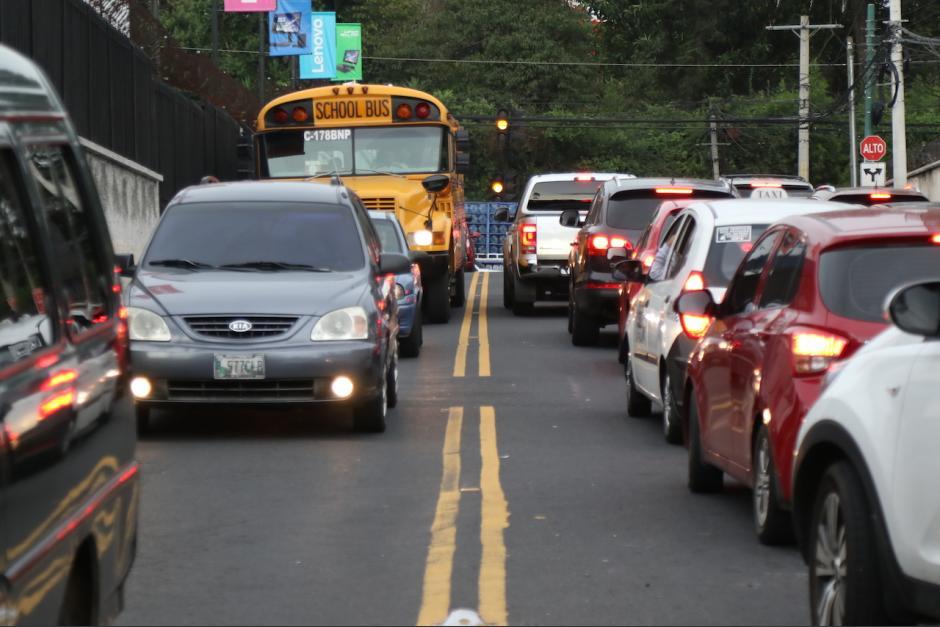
{"x": 535, "y": 251}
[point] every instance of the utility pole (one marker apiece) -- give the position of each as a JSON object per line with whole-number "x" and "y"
{"x": 262, "y": 54}
{"x": 716, "y": 169}
{"x": 898, "y": 113}
{"x": 853, "y": 139}
{"x": 214, "y": 21}
{"x": 869, "y": 66}
{"x": 804, "y": 31}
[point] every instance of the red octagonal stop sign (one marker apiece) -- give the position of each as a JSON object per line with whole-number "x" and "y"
{"x": 873, "y": 148}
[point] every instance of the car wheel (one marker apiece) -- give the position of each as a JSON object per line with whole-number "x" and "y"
{"x": 143, "y": 419}
{"x": 584, "y": 328}
{"x": 672, "y": 426}
{"x": 703, "y": 477}
{"x": 844, "y": 584}
{"x": 369, "y": 417}
{"x": 438, "y": 299}
{"x": 391, "y": 380}
{"x": 507, "y": 289}
{"x": 638, "y": 406}
{"x": 79, "y": 600}
{"x": 772, "y": 524}
{"x": 411, "y": 345}
{"x": 460, "y": 290}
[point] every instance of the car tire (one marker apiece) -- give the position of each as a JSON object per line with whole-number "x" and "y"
{"x": 672, "y": 425}
{"x": 391, "y": 380}
{"x": 437, "y": 294}
{"x": 142, "y": 412}
{"x": 411, "y": 345}
{"x": 638, "y": 406}
{"x": 507, "y": 288}
{"x": 79, "y": 600}
{"x": 772, "y": 523}
{"x": 584, "y": 328}
{"x": 369, "y": 417}
{"x": 703, "y": 477}
{"x": 570, "y": 318}
{"x": 844, "y": 590}
{"x": 460, "y": 290}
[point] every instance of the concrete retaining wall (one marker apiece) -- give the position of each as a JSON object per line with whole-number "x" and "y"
{"x": 927, "y": 180}
{"x": 130, "y": 194}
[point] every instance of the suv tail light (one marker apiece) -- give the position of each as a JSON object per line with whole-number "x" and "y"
{"x": 599, "y": 244}
{"x": 815, "y": 350}
{"x": 530, "y": 238}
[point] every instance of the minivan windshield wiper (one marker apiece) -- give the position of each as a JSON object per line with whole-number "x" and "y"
{"x": 274, "y": 266}
{"x": 180, "y": 263}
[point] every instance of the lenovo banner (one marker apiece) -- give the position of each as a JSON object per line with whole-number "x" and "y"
{"x": 322, "y": 63}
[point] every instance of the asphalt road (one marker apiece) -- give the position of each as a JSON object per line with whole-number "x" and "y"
{"x": 527, "y": 495}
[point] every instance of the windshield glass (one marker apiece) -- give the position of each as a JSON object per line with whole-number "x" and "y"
{"x": 388, "y": 236}
{"x": 729, "y": 245}
{"x": 855, "y": 282}
{"x": 318, "y": 235}
{"x": 562, "y": 195}
{"x": 348, "y": 151}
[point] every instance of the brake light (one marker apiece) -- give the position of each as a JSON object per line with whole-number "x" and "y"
{"x": 766, "y": 185}
{"x": 529, "y": 239}
{"x": 695, "y": 282}
{"x": 299, "y": 114}
{"x": 815, "y": 350}
{"x": 55, "y": 403}
{"x": 619, "y": 242}
{"x": 280, "y": 116}
{"x": 694, "y": 325}
{"x": 674, "y": 191}
{"x": 423, "y": 110}
{"x": 403, "y": 112}
{"x": 584, "y": 178}
{"x": 935, "y": 238}
{"x": 880, "y": 196}
{"x": 599, "y": 244}
{"x": 60, "y": 378}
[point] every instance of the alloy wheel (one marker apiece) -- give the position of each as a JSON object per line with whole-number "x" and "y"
{"x": 829, "y": 572}
{"x": 762, "y": 482}
{"x": 667, "y": 407}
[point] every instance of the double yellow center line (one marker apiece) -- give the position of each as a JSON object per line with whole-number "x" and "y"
{"x": 483, "y": 335}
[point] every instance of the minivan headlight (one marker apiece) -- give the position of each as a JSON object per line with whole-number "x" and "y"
{"x": 350, "y": 323}
{"x": 144, "y": 325}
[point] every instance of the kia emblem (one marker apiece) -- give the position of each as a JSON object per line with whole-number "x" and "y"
{"x": 240, "y": 326}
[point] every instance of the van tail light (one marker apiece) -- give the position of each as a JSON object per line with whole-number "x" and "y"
{"x": 815, "y": 350}
{"x": 695, "y": 282}
{"x": 530, "y": 238}
{"x": 599, "y": 244}
{"x": 694, "y": 325}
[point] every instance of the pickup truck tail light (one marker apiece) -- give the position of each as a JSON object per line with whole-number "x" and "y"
{"x": 528, "y": 238}
{"x": 815, "y": 350}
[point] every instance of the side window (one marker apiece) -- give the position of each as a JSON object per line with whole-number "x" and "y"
{"x": 595, "y": 211}
{"x": 783, "y": 278}
{"x": 373, "y": 243}
{"x": 664, "y": 251}
{"x": 641, "y": 242}
{"x": 743, "y": 286}
{"x": 682, "y": 250}
{"x": 25, "y": 328}
{"x": 86, "y": 282}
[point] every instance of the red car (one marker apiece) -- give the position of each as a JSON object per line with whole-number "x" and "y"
{"x": 808, "y": 295}
{"x": 646, "y": 247}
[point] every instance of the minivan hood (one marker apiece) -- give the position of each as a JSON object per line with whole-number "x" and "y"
{"x": 241, "y": 293}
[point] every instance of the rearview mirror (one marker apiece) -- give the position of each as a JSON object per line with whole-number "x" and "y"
{"x": 570, "y": 218}
{"x": 502, "y": 215}
{"x": 616, "y": 255}
{"x": 462, "y": 137}
{"x": 630, "y": 270}
{"x": 125, "y": 264}
{"x": 916, "y": 309}
{"x": 698, "y": 303}
{"x": 393, "y": 263}
{"x": 463, "y": 163}
{"x": 436, "y": 183}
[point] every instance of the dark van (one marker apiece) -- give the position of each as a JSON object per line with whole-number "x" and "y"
{"x": 69, "y": 487}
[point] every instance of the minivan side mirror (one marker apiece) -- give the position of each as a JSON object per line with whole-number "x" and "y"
{"x": 393, "y": 263}
{"x": 697, "y": 303}
{"x": 571, "y": 218}
{"x": 915, "y": 309}
{"x": 629, "y": 270}
{"x": 125, "y": 264}
{"x": 502, "y": 215}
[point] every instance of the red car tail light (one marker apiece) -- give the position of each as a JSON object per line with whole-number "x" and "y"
{"x": 599, "y": 244}
{"x": 815, "y": 350}
{"x": 694, "y": 325}
{"x": 530, "y": 238}
{"x": 648, "y": 261}
{"x": 935, "y": 239}
{"x": 695, "y": 282}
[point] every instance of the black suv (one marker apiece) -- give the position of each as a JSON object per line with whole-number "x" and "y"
{"x": 620, "y": 212}
{"x": 68, "y": 475}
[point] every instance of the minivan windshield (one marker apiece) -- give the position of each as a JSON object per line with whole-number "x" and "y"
{"x": 855, "y": 282}
{"x": 257, "y": 235}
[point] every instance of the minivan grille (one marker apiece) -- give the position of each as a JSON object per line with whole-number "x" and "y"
{"x": 282, "y": 390}
{"x": 381, "y": 204}
{"x": 261, "y": 326}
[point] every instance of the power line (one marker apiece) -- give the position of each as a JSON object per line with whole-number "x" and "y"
{"x": 600, "y": 64}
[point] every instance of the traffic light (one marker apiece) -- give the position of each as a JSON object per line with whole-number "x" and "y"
{"x": 497, "y": 187}
{"x": 502, "y": 122}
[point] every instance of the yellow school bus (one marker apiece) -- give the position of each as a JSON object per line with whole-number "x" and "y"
{"x": 399, "y": 149}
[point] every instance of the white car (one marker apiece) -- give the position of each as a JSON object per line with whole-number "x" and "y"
{"x": 701, "y": 250}
{"x": 866, "y": 505}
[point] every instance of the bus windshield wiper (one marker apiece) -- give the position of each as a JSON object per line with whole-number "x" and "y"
{"x": 274, "y": 266}
{"x": 396, "y": 174}
{"x": 180, "y": 263}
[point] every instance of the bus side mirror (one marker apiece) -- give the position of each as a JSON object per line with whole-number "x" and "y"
{"x": 463, "y": 163}
{"x": 436, "y": 183}
{"x": 463, "y": 140}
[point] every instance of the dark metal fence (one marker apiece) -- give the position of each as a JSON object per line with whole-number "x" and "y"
{"x": 116, "y": 99}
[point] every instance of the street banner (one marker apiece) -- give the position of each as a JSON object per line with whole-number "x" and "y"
{"x": 322, "y": 63}
{"x": 250, "y": 5}
{"x": 348, "y": 52}
{"x": 289, "y": 28}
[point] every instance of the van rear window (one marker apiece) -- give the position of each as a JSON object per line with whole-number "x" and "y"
{"x": 562, "y": 195}
{"x": 855, "y": 282}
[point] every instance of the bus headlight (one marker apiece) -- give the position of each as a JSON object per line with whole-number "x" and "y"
{"x": 423, "y": 237}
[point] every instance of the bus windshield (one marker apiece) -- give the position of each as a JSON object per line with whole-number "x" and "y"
{"x": 349, "y": 151}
